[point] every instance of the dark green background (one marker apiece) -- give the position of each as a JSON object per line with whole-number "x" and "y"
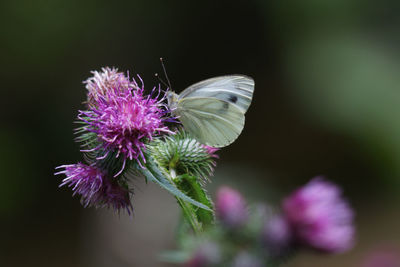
{"x": 327, "y": 101}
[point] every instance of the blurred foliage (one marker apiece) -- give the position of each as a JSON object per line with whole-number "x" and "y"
{"x": 325, "y": 101}
{"x": 16, "y": 190}
{"x": 342, "y": 64}
{"x": 352, "y": 86}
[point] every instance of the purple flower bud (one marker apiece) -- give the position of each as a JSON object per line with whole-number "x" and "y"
{"x": 320, "y": 217}
{"x": 277, "y": 235}
{"x": 231, "y": 207}
{"x": 207, "y": 254}
{"x": 95, "y": 188}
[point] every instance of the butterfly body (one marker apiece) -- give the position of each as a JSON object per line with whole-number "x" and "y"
{"x": 212, "y": 111}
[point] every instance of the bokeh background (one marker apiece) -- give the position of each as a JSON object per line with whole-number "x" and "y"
{"x": 327, "y": 101}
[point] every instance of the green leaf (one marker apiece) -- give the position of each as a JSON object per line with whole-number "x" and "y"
{"x": 191, "y": 186}
{"x": 189, "y": 213}
{"x": 153, "y": 174}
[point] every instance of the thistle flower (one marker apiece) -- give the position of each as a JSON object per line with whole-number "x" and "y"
{"x": 231, "y": 207}
{"x": 95, "y": 188}
{"x": 121, "y": 117}
{"x": 211, "y": 151}
{"x": 101, "y": 82}
{"x": 320, "y": 217}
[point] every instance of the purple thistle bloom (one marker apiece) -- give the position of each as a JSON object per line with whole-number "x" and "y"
{"x": 231, "y": 207}
{"x": 101, "y": 82}
{"x": 211, "y": 151}
{"x": 121, "y": 116}
{"x": 320, "y": 217}
{"x": 95, "y": 188}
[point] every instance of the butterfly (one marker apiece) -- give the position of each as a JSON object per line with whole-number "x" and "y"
{"x": 213, "y": 110}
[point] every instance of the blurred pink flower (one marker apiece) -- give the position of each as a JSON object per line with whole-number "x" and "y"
{"x": 231, "y": 207}
{"x": 320, "y": 217}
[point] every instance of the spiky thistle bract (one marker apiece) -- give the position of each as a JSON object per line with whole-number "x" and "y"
{"x": 182, "y": 154}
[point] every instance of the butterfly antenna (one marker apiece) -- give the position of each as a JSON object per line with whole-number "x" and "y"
{"x": 165, "y": 73}
{"x": 161, "y": 80}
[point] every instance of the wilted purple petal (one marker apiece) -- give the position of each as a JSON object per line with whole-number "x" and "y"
{"x": 101, "y": 82}
{"x": 95, "y": 188}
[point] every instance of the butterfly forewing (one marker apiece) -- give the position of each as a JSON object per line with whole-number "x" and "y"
{"x": 211, "y": 121}
{"x": 235, "y": 89}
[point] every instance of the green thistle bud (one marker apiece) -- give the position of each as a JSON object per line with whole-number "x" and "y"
{"x": 181, "y": 154}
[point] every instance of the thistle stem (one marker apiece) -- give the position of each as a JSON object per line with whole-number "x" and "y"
{"x": 172, "y": 172}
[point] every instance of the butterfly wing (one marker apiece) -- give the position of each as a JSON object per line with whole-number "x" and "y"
{"x": 234, "y": 89}
{"x": 211, "y": 121}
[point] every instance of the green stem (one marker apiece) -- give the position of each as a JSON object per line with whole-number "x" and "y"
{"x": 196, "y": 207}
{"x": 191, "y": 186}
{"x": 188, "y": 214}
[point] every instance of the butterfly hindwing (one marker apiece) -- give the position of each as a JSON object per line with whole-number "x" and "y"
{"x": 234, "y": 89}
{"x": 211, "y": 121}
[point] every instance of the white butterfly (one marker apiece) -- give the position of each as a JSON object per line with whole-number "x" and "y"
{"x": 212, "y": 111}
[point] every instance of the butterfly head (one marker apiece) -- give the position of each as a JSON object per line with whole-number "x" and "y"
{"x": 172, "y": 99}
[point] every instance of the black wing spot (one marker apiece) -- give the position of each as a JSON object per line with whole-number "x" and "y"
{"x": 233, "y": 98}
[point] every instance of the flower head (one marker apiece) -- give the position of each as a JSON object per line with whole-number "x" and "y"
{"x": 320, "y": 217}
{"x": 101, "y": 82}
{"x": 95, "y": 188}
{"x": 121, "y": 116}
{"x": 231, "y": 207}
